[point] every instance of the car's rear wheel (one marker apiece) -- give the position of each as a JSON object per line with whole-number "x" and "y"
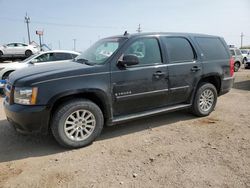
{"x": 77, "y": 123}
{"x": 205, "y": 100}
{"x": 28, "y": 53}
{"x": 236, "y": 66}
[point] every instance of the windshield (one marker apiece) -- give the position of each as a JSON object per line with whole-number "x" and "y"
{"x": 28, "y": 59}
{"x": 99, "y": 52}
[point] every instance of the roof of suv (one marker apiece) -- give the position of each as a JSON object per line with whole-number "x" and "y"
{"x": 162, "y": 33}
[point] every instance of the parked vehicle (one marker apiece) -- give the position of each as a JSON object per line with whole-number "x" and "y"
{"x": 238, "y": 58}
{"x": 17, "y": 50}
{"x": 246, "y": 55}
{"x": 118, "y": 79}
{"x": 41, "y": 58}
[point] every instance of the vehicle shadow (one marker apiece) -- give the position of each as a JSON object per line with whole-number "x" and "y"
{"x": 243, "y": 85}
{"x": 14, "y": 146}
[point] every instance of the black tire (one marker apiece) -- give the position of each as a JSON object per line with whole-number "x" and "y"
{"x": 28, "y": 53}
{"x": 236, "y": 66}
{"x": 65, "y": 111}
{"x": 196, "y": 107}
{"x": 1, "y": 53}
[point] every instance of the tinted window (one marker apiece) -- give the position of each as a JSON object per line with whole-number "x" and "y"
{"x": 62, "y": 56}
{"x": 179, "y": 49}
{"x": 212, "y": 48}
{"x": 146, "y": 49}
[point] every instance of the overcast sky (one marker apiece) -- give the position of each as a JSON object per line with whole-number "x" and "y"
{"x": 89, "y": 20}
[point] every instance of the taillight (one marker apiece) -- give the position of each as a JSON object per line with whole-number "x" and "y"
{"x": 231, "y": 66}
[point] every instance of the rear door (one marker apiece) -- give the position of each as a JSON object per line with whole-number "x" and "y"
{"x": 141, "y": 87}
{"x": 183, "y": 66}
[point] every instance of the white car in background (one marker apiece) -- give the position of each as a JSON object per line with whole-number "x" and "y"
{"x": 41, "y": 58}
{"x": 17, "y": 50}
{"x": 246, "y": 55}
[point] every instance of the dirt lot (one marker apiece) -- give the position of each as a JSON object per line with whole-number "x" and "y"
{"x": 171, "y": 150}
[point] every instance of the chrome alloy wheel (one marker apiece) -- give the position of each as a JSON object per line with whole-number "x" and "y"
{"x": 79, "y": 125}
{"x": 206, "y": 100}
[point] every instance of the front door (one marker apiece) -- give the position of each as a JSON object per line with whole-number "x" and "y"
{"x": 141, "y": 87}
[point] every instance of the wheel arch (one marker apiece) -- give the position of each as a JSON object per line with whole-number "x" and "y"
{"x": 96, "y": 96}
{"x": 214, "y": 79}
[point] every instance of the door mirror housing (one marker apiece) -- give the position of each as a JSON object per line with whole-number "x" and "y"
{"x": 33, "y": 61}
{"x": 129, "y": 60}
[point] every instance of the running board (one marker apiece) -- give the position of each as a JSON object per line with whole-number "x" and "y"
{"x": 122, "y": 119}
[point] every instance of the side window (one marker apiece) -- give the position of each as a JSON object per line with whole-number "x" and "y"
{"x": 238, "y": 52}
{"x": 212, "y": 48}
{"x": 232, "y": 52}
{"x": 45, "y": 57}
{"x": 62, "y": 56}
{"x": 179, "y": 49}
{"x": 146, "y": 49}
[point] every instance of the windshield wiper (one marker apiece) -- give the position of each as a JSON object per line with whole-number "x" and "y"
{"x": 82, "y": 60}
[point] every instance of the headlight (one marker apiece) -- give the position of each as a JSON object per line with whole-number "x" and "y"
{"x": 25, "y": 95}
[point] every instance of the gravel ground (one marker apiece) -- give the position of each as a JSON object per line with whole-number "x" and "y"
{"x": 171, "y": 150}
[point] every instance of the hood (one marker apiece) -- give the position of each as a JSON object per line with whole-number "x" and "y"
{"x": 32, "y": 74}
{"x": 14, "y": 65}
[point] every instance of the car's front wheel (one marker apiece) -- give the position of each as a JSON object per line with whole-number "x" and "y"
{"x": 77, "y": 123}
{"x": 205, "y": 100}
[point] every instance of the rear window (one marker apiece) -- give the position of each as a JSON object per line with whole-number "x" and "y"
{"x": 179, "y": 49}
{"x": 212, "y": 48}
{"x": 238, "y": 52}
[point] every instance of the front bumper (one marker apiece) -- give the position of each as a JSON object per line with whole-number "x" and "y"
{"x": 28, "y": 119}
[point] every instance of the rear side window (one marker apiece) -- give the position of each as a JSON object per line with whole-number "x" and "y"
{"x": 212, "y": 48}
{"x": 62, "y": 56}
{"x": 179, "y": 49}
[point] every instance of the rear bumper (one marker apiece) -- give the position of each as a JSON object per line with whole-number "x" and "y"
{"x": 226, "y": 85}
{"x": 28, "y": 119}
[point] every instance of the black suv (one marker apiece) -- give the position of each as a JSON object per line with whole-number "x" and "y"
{"x": 118, "y": 79}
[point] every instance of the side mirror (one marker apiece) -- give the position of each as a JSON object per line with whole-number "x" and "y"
{"x": 129, "y": 60}
{"x": 33, "y": 61}
{"x": 4, "y": 46}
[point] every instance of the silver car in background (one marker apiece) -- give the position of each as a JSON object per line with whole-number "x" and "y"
{"x": 238, "y": 58}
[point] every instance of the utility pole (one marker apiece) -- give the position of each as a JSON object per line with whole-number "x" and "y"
{"x": 241, "y": 39}
{"x": 74, "y": 44}
{"x": 27, "y": 21}
{"x": 139, "y": 29}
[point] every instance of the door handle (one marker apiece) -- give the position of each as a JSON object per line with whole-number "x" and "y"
{"x": 159, "y": 74}
{"x": 195, "y": 69}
